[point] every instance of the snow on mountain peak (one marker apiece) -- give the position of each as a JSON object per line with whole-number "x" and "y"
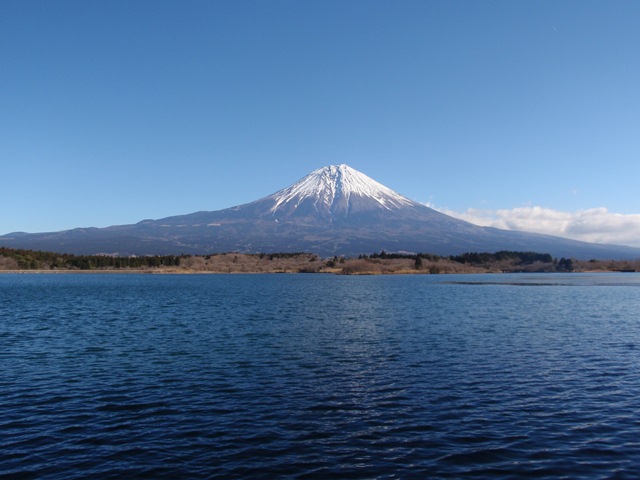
{"x": 333, "y": 189}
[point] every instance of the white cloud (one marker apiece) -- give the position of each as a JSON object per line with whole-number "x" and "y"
{"x": 593, "y": 225}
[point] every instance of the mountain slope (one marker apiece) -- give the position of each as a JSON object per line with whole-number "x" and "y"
{"x": 334, "y": 210}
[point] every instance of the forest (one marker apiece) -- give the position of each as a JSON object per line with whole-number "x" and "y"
{"x": 300, "y": 262}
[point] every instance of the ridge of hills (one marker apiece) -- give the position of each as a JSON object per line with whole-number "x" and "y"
{"x": 335, "y": 210}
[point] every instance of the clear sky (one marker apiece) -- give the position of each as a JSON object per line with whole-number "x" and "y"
{"x": 520, "y": 114}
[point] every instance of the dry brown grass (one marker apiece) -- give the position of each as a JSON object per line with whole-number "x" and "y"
{"x": 245, "y": 263}
{"x": 7, "y": 263}
{"x": 607, "y": 265}
{"x": 309, "y": 263}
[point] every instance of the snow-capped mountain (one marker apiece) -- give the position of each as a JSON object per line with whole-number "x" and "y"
{"x": 334, "y": 210}
{"x": 334, "y": 192}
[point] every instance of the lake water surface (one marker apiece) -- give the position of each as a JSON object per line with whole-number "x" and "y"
{"x": 319, "y": 376}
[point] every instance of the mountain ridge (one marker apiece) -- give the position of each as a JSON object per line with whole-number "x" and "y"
{"x": 334, "y": 210}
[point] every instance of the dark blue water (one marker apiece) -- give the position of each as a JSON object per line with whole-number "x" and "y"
{"x": 311, "y": 376}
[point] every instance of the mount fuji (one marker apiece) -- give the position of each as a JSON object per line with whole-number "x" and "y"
{"x": 334, "y": 210}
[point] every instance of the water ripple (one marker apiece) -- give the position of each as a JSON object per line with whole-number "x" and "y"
{"x": 315, "y": 377}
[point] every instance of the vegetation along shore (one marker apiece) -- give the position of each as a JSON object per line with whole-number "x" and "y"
{"x": 17, "y": 260}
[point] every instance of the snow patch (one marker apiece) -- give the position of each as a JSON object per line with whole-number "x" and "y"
{"x": 325, "y": 186}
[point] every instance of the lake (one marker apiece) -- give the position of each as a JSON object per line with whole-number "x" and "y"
{"x": 319, "y": 376}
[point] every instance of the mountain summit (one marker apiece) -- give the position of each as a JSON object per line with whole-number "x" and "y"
{"x": 334, "y": 210}
{"x": 334, "y": 192}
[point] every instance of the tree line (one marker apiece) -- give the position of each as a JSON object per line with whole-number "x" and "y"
{"x": 38, "y": 260}
{"x": 482, "y": 259}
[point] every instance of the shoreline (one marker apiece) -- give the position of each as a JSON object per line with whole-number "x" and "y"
{"x": 277, "y": 272}
{"x": 29, "y": 262}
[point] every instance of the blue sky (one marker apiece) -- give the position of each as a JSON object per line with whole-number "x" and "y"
{"x": 514, "y": 114}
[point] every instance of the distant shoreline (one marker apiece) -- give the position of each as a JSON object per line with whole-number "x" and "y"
{"x": 31, "y": 262}
{"x": 161, "y": 271}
